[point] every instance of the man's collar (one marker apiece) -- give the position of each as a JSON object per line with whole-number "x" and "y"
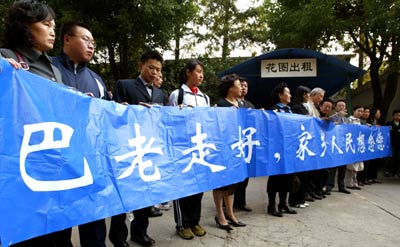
{"x": 281, "y": 105}
{"x": 145, "y": 82}
{"x": 71, "y": 64}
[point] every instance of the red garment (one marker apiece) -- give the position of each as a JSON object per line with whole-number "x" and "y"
{"x": 194, "y": 90}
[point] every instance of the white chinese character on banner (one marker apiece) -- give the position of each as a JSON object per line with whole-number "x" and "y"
{"x": 49, "y": 142}
{"x": 202, "y": 149}
{"x": 246, "y": 142}
{"x": 139, "y": 154}
{"x": 361, "y": 143}
{"x": 371, "y": 143}
{"x": 334, "y": 145}
{"x": 349, "y": 141}
{"x": 324, "y": 144}
{"x": 304, "y": 140}
{"x": 380, "y": 141}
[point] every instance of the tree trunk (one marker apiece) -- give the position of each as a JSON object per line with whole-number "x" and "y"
{"x": 123, "y": 65}
{"x": 376, "y": 83}
{"x": 177, "y": 45}
{"x": 390, "y": 92}
{"x": 392, "y": 79}
{"x": 113, "y": 65}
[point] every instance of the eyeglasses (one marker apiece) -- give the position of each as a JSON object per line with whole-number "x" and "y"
{"x": 87, "y": 40}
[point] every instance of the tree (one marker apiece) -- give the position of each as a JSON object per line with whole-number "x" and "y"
{"x": 300, "y": 24}
{"x": 372, "y": 25}
{"x": 226, "y": 26}
{"x": 182, "y": 22}
{"x": 4, "y": 5}
{"x": 123, "y": 29}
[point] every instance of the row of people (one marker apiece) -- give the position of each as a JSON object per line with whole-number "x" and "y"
{"x": 308, "y": 186}
{"x": 30, "y": 33}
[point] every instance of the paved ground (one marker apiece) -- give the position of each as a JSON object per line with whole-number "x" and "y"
{"x": 370, "y": 217}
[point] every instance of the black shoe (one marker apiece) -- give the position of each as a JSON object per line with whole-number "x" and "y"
{"x": 320, "y": 194}
{"x": 286, "y": 209}
{"x": 273, "y": 212}
{"x": 233, "y": 223}
{"x": 155, "y": 212}
{"x": 151, "y": 239}
{"x": 376, "y": 181}
{"x": 244, "y": 208}
{"x": 315, "y": 196}
{"x": 122, "y": 244}
{"x": 344, "y": 191}
{"x": 142, "y": 239}
{"x": 388, "y": 174}
{"x": 308, "y": 198}
{"x": 223, "y": 227}
{"x": 328, "y": 193}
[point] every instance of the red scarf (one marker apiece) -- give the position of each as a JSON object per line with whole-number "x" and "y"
{"x": 194, "y": 90}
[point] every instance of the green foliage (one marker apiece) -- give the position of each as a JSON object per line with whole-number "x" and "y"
{"x": 369, "y": 26}
{"x": 227, "y": 26}
{"x": 301, "y": 24}
{"x": 4, "y": 4}
{"x": 123, "y": 29}
{"x": 212, "y": 66}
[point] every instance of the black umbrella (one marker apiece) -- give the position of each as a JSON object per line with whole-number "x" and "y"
{"x": 332, "y": 74}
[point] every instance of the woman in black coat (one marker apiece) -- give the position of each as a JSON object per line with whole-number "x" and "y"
{"x": 230, "y": 91}
{"x": 299, "y": 106}
{"x": 281, "y": 184}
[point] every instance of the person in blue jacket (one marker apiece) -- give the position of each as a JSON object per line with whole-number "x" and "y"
{"x": 78, "y": 48}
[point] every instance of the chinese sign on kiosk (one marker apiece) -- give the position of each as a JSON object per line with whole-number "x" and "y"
{"x": 303, "y": 67}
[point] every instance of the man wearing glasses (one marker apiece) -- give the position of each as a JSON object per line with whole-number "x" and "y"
{"x": 77, "y": 50}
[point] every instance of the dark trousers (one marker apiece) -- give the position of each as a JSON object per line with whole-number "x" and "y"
{"x": 316, "y": 178}
{"x": 118, "y": 230}
{"x": 240, "y": 194}
{"x": 55, "y": 239}
{"x": 393, "y": 164}
{"x": 93, "y": 234}
{"x": 324, "y": 177}
{"x": 140, "y": 221}
{"x": 340, "y": 178}
{"x": 373, "y": 168}
{"x": 187, "y": 211}
{"x": 272, "y": 198}
{"x": 307, "y": 182}
{"x": 298, "y": 196}
{"x": 362, "y": 175}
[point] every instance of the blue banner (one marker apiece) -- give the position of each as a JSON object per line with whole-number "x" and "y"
{"x": 68, "y": 159}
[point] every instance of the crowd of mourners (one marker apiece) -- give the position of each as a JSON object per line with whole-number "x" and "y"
{"x": 30, "y": 33}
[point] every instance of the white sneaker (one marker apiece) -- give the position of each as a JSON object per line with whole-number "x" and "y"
{"x": 164, "y": 206}
{"x": 306, "y": 204}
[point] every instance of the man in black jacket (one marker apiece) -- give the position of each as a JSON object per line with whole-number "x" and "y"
{"x": 140, "y": 91}
{"x": 77, "y": 50}
{"x": 393, "y": 167}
